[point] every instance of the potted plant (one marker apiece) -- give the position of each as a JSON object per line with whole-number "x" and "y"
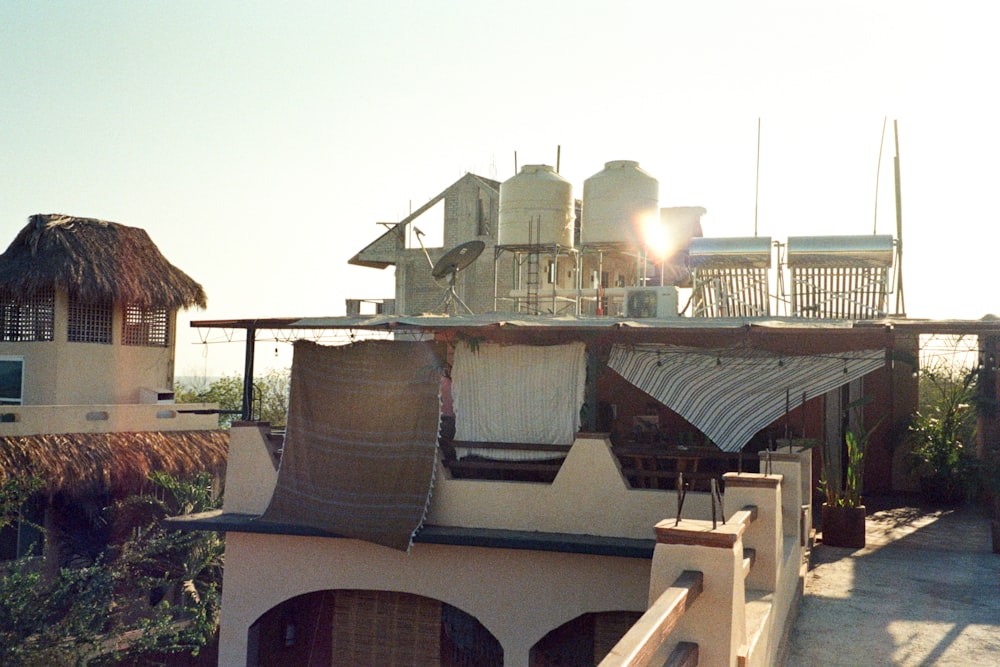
{"x": 842, "y": 517}
{"x": 939, "y": 432}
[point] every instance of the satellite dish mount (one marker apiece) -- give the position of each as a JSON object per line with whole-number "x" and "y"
{"x": 448, "y": 267}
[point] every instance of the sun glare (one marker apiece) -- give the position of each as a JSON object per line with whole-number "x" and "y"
{"x": 654, "y": 235}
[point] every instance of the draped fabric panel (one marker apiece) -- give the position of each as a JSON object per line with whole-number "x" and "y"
{"x": 361, "y": 441}
{"x": 519, "y": 393}
{"x": 731, "y": 395}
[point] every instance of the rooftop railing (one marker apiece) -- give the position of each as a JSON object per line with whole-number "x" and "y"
{"x": 726, "y": 593}
{"x": 18, "y": 420}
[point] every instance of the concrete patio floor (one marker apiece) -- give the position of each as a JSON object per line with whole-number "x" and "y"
{"x": 924, "y": 591}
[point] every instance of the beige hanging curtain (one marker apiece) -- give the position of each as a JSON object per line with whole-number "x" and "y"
{"x": 519, "y": 393}
{"x": 361, "y": 442}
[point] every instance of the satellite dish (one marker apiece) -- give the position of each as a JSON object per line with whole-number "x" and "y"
{"x": 450, "y": 264}
{"x": 457, "y": 259}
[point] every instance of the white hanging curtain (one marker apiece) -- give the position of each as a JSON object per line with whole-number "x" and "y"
{"x": 518, "y": 393}
{"x": 730, "y": 395}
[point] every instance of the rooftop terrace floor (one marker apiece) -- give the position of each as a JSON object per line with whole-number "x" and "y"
{"x": 925, "y": 591}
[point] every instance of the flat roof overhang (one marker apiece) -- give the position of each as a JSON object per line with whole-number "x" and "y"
{"x": 592, "y": 545}
{"x": 787, "y": 335}
{"x": 988, "y": 326}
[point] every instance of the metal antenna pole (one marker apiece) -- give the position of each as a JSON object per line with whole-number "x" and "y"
{"x": 420, "y": 239}
{"x": 878, "y": 171}
{"x": 756, "y": 187}
{"x": 900, "y": 300}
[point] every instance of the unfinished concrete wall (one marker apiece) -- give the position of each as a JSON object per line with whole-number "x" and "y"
{"x": 471, "y": 212}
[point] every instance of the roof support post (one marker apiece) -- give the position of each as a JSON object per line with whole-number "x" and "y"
{"x": 246, "y": 414}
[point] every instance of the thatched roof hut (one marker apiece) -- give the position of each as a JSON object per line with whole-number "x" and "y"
{"x": 79, "y": 464}
{"x": 95, "y": 260}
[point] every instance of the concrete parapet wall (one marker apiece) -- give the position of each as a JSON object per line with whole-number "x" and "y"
{"x": 522, "y": 594}
{"x": 111, "y": 418}
{"x": 744, "y": 614}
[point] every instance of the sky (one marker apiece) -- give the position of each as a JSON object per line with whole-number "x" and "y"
{"x": 259, "y": 143}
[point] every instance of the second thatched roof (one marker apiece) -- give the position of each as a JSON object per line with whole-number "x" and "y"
{"x": 114, "y": 463}
{"x": 95, "y": 260}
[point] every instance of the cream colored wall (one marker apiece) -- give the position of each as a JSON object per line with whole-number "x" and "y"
{"x": 40, "y": 370}
{"x": 250, "y": 471}
{"x": 589, "y": 496}
{"x": 716, "y": 622}
{"x": 137, "y": 367}
{"x": 97, "y": 373}
{"x": 58, "y": 372}
{"x": 114, "y": 418}
{"x": 101, "y": 373}
{"x": 85, "y": 373}
{"x": 518, "y": 595}
{"x": 545, "y": 589}
{"x": 739, "y": 618}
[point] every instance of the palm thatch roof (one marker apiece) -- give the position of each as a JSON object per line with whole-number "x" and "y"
{"x": 116, "y": 463}
{"x": 95, "y": 260}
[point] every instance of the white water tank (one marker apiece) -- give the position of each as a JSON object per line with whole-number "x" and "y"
{"x": 536, "y": 206}
{"x": 617, "y": 202}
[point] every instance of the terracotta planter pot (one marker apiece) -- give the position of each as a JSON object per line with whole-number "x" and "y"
{"x": 843, "y": 526}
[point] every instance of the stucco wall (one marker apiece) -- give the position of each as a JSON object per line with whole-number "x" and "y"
{"x": 59, "y": 372}
{"x": 589, "y": 496}
{"x": 518, "y": 595}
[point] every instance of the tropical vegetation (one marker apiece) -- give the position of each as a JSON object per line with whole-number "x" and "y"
{"x": 269, "y": 402}
{"x": 152, "y": 591}
{"x": 942, "y": 433}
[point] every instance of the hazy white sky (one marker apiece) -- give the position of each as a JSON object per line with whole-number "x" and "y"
{"x": 259, "y": 142}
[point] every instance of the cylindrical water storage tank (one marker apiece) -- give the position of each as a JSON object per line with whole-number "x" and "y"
{"x": 536, "y": 206}
{"x": 617, "y": 202}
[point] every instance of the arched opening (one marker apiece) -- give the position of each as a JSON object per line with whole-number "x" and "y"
{"x": 583, "y": 641}
{"x": 363, "y": 627}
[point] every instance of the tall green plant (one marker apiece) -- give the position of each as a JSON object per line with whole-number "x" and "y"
{"x": 855, "y": 473}
{"x": 845, "y": 487}
{"x": 940, "y": 432}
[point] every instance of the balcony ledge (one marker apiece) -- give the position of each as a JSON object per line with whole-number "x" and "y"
{"x": 594, "y": 545}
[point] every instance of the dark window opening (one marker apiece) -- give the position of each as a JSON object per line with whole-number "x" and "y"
{"x": 11, "y": 380}
{"x": 27, "y": 318}
{"x": 89, "y": 321}
{"x": 149, "y": 327}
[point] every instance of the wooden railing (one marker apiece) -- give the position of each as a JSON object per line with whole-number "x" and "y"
{"x": 646, "y": 643}
{"x": 642, "y": 642}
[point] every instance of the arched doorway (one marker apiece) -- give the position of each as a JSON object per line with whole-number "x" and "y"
{"x": 583, "y": 641}
{"x": 363, "y": 627}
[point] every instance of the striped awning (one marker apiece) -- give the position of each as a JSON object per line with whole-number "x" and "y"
{"x": 731, "y": 394}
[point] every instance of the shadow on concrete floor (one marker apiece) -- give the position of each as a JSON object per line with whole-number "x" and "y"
{"x": 924, "y": 591}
